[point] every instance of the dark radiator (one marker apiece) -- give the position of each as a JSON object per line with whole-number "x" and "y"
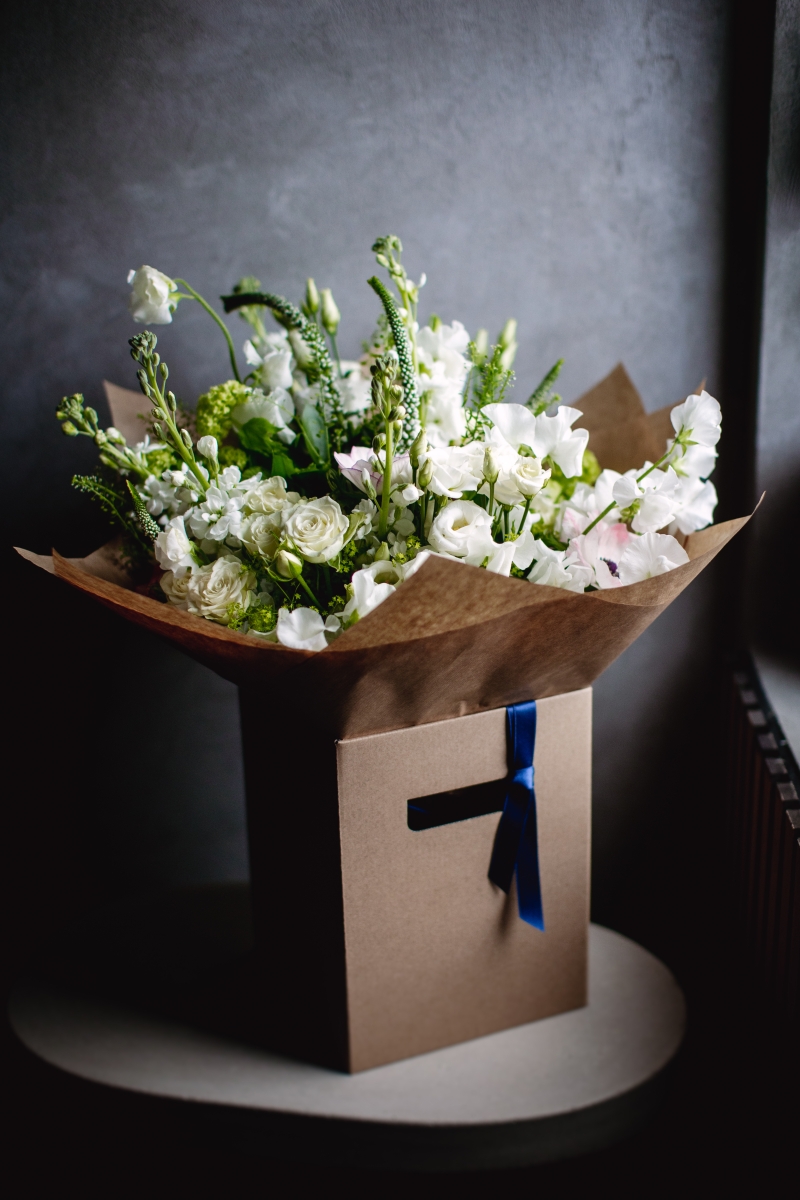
{"x": 763, "y": 803}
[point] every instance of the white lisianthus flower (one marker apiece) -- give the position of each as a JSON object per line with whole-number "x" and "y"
{"x": 463, "y": 530}
{"x": 213, "y": 588}
{"x": 456, "y": 469}
{"x": 173, "y": 548}
{"x": 304, "y": 629}
{"x": 551, "y": 437}
{"x": 367, "y": 592}
{"x": 317, "y": 529}
{"x": 649, "y": 555}
{"x": 260, "y": 534}
{"x": 175, "y": 587}
{"x": 268, "y": 496}
{"x": 354, "y": 464}
{"x": 698, "y": 420}
{"x": 696, "y": 501}
{"x": 277, "y": 408}
{"x": 559, "y": 568}
{"x": 501, "y": 558}
{"x": 153, "y": 296}
{"x": 601, "y": 550}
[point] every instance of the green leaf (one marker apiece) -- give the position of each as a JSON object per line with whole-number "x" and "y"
{"x": 315, "y": 434}
{"x": 259, "y": 435}
{"x": 282, "y": 465}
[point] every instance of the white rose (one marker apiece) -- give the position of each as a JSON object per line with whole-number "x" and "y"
{"x": 317, "y": 529}
{"x": 152, "y": 296}
{"x": 175, "y": 587}
{"x": 213, "y": 588}
{"x": 173, "y": 548}
{"x": 260, "y": 533}
{"x": 270, "y": 496}
{"x": 304, "y": 629}
{"x": 463, "y": 530}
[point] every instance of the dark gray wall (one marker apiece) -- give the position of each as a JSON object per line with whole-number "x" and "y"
{"x": 773, "y": 590}
{"x": 561, "y": 163}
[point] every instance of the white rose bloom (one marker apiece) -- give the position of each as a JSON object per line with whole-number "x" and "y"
{"x": 650, "y": 555}
{"x": 261, "y": 534}
{"x": 696, "y": 502}
{"x": 698, "y": 419}
{"x": 317, "y": 529}
{"x": 304, "y": 629}
{"x": 152, "y": 296}
{"x": 601, "y": 550}
{"x": 175, "y": 587}
{"x": 277, "y": 408}
{"x": 367, "y": 592}
{"x": 173, "y": 548}
{"x": 464, "y": 530}
{"x": 551, "y": 437}
{"x": 213, "y": 588}
{"x": 559, "y": 568}
{"x": 269, "y": 496}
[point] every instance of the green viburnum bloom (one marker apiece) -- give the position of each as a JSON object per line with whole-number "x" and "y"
{"x": 214, "y": 408}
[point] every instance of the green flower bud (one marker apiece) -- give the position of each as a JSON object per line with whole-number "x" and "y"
{"x": 418, "y": 448}
{"x": 377, "y": 442}
{"x": 187, "y": 440}
{"x": 382, "y": 554}
{"x": 382, "y": 260}
{"x": 425, "y": 474}
{"x": 330, "y": 313}
{"x": 481, "y": 346}
{"x": 491, "y": 467}
{"x": 508, "y": 356}
{"x": 435, "y": 322}
{"x": 288, "y": 565}
{"x": 508, "y": 334}
{"x": 312, "y": 296}
{"x": 68, "y": 428}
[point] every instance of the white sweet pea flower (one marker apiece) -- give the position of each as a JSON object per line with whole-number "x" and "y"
{"x": 551, "y": 437}
{"x": 696, "y": 501}
{"x": 174, "y": 549}
{"x": 601, "y": 550}
{"x": 273, "y": 365}
{"x": 368, "y": 592}
{"x": 317, "y": 529}
{"x": 697, "y": 421}
{"x": 463, "y": 530}
{"x": 153, "y": 296}
{"x": 445, "y": 419}
{"x": 585, "y": 504}
{"x": 277, "y": 407}
{"x": 212, "y": 589}
{"x": 697, "y": 462}
{"x": 443, "y": 369}
{"x": 650, "y": 555}
{"x": 355, "y": 388}
{"x": 559, "y": 568}
{"x": 654, "y": 496}
{"x": 304, "y": 629}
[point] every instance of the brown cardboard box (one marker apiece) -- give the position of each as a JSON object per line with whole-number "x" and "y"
{"x": 383, "y": 942}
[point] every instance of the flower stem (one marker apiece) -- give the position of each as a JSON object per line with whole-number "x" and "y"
{"x": 304, "y": 585}
{"x": 204, "y": 304}
{"x": 521, "y": 525}
{"x": 386, "y": 489}
{"x": 336, "y": 355}
{"x": 639, "y": 479}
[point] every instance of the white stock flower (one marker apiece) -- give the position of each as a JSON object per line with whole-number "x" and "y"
{"x": 317, "y": 529}
{"x": 268, "y": 496}
{"x": 463, "y": 530}
{"x": 160, "y": 495}
{"x": 698, "y": 420}
{"x": 304, "y": 629}
{"x": 219, "y": 516}
{"x": 649, "y": 555}
{"x": 551, "y": 437}
{"x": 173, "y": 548}
{"x": 207, "y": 446}
{"x": 601, "y": 550}
{"x": 369, "y": 513}
{"x": 152, "y": 299}
{"x": 559, "y": 568}
{"x": 213, "y": 588}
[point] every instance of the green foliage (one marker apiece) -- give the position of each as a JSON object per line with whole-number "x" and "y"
{"x": 110, "y": 497}
{"x": 215, "y": 406}
{"x": 145, "y": 522}
{"x": 315, "y": 435}
{"x": 543, "y": 396}
{"x": 404, "y": 357}
{"x": 487, "y": 383}
{"x": 261, "y": 616}
{"x": 562, "y": 488}
{"x": 259, "y": 435}
{"x": 234, "y": 456}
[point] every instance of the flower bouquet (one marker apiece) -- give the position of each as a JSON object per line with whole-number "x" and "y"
{"x": 399, "y": 551}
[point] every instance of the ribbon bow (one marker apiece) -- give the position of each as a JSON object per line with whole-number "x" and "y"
{"x": 516, "y": 844}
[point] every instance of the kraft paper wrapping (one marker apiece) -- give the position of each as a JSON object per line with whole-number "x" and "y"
{"x": 452, "y": 640}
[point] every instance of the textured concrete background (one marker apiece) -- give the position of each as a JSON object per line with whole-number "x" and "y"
{"x": 774, "y": 596}
{"x": 561, "y": 163}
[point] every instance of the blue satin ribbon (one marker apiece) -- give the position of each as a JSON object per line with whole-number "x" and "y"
{"x": 516, "y": 845}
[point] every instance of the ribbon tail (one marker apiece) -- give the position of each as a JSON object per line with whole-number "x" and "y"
{"x": 506, "y": 845}
{"x": 529, "y": 884}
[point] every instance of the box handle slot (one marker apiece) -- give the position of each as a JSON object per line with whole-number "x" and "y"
{"x": 445, "y": 808}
